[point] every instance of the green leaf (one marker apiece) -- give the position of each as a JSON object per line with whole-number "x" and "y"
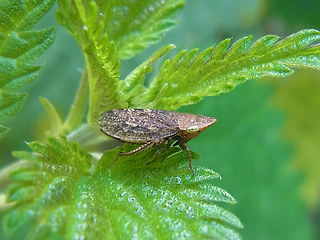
{"x": 19, "y": 47}
{"x": 54, "y": 118}
{"x": 247, "y": 147}
{"x": 102, "y": 31}
{"x": 133, "y": 84}
{"x": 189, "y": 76}
{"x": 10, "y": 104}
{"x": 83, "y": 22}
{"x": 61, "y": 195}
{"x": 133, "y": 25}
{"x": 45, "y": 187}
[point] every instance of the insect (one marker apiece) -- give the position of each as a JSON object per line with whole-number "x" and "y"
{"x": 151, "y": 127}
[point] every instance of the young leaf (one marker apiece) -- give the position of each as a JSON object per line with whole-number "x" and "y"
{"x": 60, "y": 194}
{"x": 54, "y": 118}
{"x": 133, "y": 25}
{"x": 19, "y": 47}
{"x": 10, "y": 103}
{"x": 102, "y": 31}
{"x": 188, "y": 77}
{"x": 133, "y": 84}
{"x": 83, "y": 21}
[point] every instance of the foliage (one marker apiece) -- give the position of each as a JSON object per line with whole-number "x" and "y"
{"x": 67, "y": 192}
{"x": 245, "y": 145}
{"x": 19, "y": 47}
{"x": 219, "y": 69}
{"x": 215, "y": 70}
{"x": 88, "y": 24}
{"x": 132, "y": 199}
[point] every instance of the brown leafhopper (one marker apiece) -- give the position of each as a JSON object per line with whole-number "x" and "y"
{"x": 151, "y": 127}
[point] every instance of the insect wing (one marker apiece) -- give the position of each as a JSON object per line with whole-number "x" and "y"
{"x": 138, "y": 125}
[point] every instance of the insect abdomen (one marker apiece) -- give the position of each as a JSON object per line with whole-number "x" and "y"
{"x": 138, "y": 125}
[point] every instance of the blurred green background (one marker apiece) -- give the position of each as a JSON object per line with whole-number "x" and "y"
{"x": 266, "y": 142}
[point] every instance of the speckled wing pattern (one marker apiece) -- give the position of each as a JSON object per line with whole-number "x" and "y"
{"x": 138, "y": 125}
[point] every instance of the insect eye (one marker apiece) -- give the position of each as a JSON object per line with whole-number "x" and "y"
{"x": 193, "y": 129}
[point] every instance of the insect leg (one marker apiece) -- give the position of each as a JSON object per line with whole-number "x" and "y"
{"x": 183, "y": 146}
{"x": 135, "y": 151}
{"x": 162, "y": 150}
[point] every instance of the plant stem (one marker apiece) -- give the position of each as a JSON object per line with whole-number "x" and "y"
{"x": 79, "y": 106}
{"x": 4, "y": 173}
